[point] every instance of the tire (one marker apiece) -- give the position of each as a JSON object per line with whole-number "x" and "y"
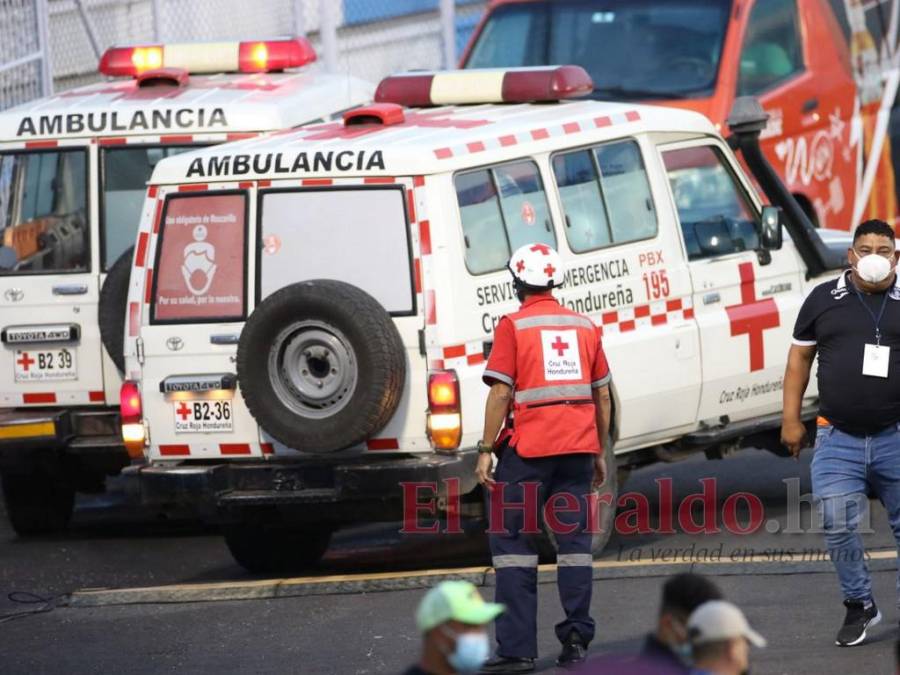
{"x": 345, "y": 372}
{"x": 113, "y": 306}
{"x": 276, "y": 550}
{"x": 607, "y": 496}
{"x": 37, "y": 503}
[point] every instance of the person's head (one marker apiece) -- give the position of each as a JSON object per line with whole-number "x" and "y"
{"x": 721, "y": 638}
{"x": 873, "y": 255}
{"x": 453, "y": 618}
{"x": 535, "y": 268}
{"x": 681, "y": 595}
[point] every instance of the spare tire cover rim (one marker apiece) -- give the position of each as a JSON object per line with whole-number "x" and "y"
{"x": 313, "y": 369}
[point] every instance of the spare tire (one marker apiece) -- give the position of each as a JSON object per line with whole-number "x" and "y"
{"x": 321, "y": 365}
{"x": 113, "y": 307}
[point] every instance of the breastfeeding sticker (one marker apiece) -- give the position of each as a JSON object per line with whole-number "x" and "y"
{"x": 562, "y": 361}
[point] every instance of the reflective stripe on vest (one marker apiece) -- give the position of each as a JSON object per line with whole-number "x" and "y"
{"x": 560, "y": 391}
{"x": 552, "y": 320}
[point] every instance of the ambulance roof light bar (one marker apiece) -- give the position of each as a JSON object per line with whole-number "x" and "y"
{"x": 489, "y": 85}
{"x": 257, "y": 56}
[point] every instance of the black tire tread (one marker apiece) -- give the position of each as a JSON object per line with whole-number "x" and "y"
{"x": 37, "y": 503}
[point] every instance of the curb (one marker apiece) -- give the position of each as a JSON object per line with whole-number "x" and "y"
{"x": 402, "y": 581}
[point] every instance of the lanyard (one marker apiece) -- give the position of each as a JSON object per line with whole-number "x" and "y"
{"x": 876, "y": 319}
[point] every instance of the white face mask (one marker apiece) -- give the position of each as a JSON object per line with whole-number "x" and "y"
{"x": 873, "y": 268}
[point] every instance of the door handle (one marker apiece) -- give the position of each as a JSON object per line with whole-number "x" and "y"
{"x": 810, "y": 104}
{"x": 70, "y": 289}
{"x": 225, "y": 339}
{"x": 711, "y": 298}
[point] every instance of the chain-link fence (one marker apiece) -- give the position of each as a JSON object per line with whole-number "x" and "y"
{"x": 368, "y": 38}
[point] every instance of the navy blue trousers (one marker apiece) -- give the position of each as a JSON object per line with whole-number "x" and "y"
{"x": 563, "y": 481}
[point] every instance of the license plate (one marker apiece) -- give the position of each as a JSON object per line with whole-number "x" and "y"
{"x": 45, "y": 365}
{"x": 193, "y": 417}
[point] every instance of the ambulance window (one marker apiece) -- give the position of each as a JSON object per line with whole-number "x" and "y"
{"x": 772, "y": 49}
{"x": 43, "y": 212}
{"x": 125, "y": 175}
{"x": 716, "y": 216}
{"x": 502, "y": 208}
{"x": 199, "y": 273}
{"x": 356, "y": 235}
{"x": 587, "y": 224}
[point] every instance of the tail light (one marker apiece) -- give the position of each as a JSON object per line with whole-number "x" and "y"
{"x": 444, "y": 415}
{"x": 131, "y": 412}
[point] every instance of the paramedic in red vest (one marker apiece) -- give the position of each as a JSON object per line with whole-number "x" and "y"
{"x": 547, "y": 366}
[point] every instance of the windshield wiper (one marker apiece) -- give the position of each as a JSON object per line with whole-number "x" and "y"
{"x": 635, "y": 94}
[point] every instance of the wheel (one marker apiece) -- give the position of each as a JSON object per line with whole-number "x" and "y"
{"x": 113, "y": 306}
{"x": 321, "y": 365}
{"x": 37, "y": 503}
{"x": 275, "y": 550}
{"x": 604, "y": 517}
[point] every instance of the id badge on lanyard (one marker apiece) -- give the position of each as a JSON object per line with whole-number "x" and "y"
{"x": 876, "y": 357}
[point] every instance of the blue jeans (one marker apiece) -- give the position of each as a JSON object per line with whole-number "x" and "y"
{"x": 843, "y": 468}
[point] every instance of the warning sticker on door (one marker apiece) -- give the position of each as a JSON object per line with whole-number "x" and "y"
{"x": 200, "y": 272}
{"x": 562, "y": 361}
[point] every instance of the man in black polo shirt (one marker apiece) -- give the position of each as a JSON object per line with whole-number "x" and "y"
{"x": 853, "y": 324}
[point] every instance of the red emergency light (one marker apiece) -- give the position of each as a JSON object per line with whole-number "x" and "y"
{"x": 509, "y": 85}
{"x": 261, "y": 56}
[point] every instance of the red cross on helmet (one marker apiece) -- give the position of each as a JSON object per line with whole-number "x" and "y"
{"x": 537, "y": 266}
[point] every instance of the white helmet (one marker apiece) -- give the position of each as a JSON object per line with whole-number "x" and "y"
{"x": 537, "y": 266}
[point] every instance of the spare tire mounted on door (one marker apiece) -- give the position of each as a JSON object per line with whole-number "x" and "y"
{"x": 321, "y": 365}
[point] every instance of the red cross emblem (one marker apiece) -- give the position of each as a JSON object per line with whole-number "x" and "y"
{"x": 183, "y": 411}
{"x": 560, "y": 346}
{"x": 541, "y": 248}
{"x": 549, "y": 269}
{"x": 520, "y": 266}
{"x": 25, "y": 361}
{"x": 752, "y": 317}
{"x": 528, "y": 214}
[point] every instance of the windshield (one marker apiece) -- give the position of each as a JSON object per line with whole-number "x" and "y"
{"x": 125, "y": 175}
{"x": 43, "y": 212}
{"x": 633, "y": 49}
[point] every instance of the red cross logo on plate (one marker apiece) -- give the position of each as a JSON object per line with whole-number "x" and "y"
{"x": 25, "y": 361}
{"x": 560, "y": 346}
{"x": 541, "y": 248}
{"x": 183, "y": 411}
{"x": 752, "y": 317}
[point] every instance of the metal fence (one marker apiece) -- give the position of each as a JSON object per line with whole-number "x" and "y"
{"x": 56, "y": 44}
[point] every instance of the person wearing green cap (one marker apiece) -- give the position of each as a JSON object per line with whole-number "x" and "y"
{"x": 453, "y": 619}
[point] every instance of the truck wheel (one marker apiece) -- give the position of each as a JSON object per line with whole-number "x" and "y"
{"x": 264, "y": 550}
{"x": 113, "y": 306}
{"x": 321, "y": 365}
{"x": 605, "y": 501}
{"x": 37, "y": 503}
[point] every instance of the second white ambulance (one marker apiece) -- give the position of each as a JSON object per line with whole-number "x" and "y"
{"x": 73, "y": 173}
{"x": 310, "y": 313}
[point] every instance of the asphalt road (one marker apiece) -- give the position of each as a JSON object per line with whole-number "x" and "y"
{"x": 112, "y": 544}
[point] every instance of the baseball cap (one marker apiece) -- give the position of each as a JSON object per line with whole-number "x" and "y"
{"x": 454, "y": 601}
{"x": 717, "y": 620}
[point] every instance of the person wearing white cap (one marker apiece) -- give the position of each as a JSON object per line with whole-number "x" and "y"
{"x": 720, "y": 639}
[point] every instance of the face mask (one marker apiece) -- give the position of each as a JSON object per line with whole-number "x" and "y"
{"x": 873, "y": 268}
{"x": 472, "y": 650}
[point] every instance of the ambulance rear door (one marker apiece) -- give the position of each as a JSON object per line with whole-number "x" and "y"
{"x": 51, "y": 350}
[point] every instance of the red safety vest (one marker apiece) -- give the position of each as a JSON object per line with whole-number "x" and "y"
{"x": 555, "y": 353}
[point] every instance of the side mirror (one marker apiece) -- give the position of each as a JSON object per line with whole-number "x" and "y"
{"x": 770, "y": 236}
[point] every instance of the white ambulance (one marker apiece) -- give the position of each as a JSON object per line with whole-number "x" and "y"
{"x": 309, "y": 314}
{"x": 73, "y": 174}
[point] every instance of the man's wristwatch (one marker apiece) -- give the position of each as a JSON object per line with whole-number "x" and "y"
{"x": 484, "y": 447}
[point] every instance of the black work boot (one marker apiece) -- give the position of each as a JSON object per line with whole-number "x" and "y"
{"x": 508, "y": 664}
{"x": 574, "y": 651}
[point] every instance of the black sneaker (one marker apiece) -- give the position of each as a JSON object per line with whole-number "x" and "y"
{"x": 508, "y": 664}
{"x": 858, "y": 620}
{"x": 574, "y": 651}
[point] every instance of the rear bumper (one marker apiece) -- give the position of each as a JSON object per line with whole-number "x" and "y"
{"x": 89, "y": 436}
{"x": 312, "y": 489}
